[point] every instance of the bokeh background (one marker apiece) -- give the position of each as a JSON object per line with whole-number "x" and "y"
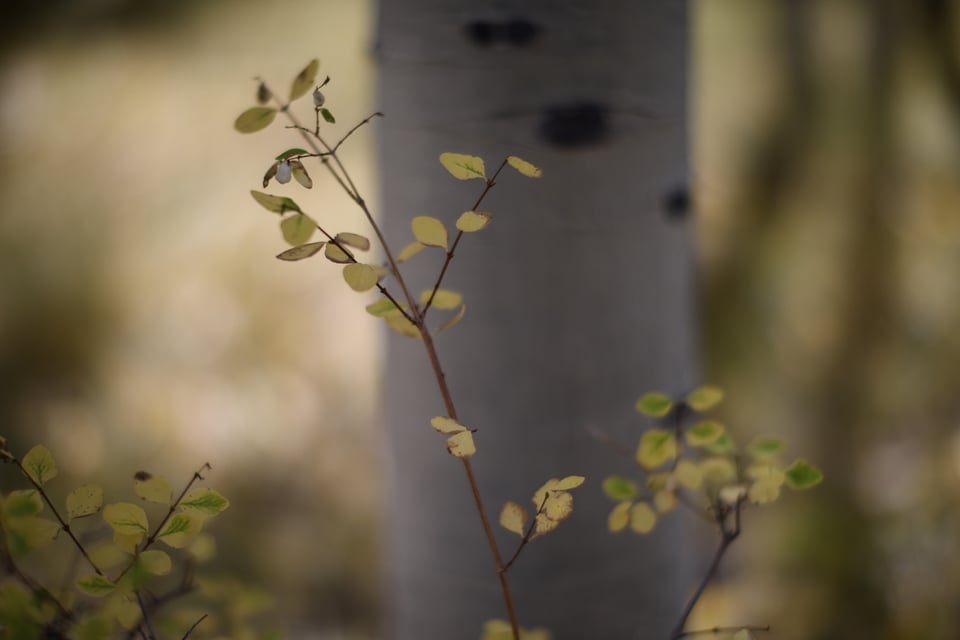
{"x": 144, "y": 323}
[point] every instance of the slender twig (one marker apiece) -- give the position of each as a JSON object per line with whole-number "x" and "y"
{"x": 719, "y": 630}
{"x": 150, "y": 633}
{"x": 456, "y": 241}
{"x": 194, "y": 626}
{"x": 315, "y": 141}
{"x": 727, "y": 536}
{"x": 528, "y": 535}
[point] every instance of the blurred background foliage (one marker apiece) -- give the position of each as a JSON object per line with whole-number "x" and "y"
{"x": 144, "y": 323}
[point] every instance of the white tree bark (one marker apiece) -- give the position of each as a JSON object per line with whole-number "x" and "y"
{"x": 579, "y": 295}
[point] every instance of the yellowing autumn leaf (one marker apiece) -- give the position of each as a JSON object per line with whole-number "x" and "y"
{"x": 471, "y": 221}
{"x": 642, "y": 518}
{"x": 619, "y": 518}
{"x": 39, "y": 464}
{"x": 657, "y": 446}
{"x": 443, "y": 299}
{"x": 429, "y": 231}
{"x": 151, "y": 488}
{"x": 513, "y": 517}
{"x": 462, "y": 166}
{"x": 526, "y": 168}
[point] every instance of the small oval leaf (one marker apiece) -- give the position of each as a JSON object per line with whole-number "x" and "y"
{"x": 304, "y": 80}
{"x": 39, "y": 465}
{"x": 335, "y": 254}
{"x": 463, "y": 166}
{"x": 654, "y": 404}
{"x": 354, "y": 240}
{"x": 276, "y": 204}
{"x": 301, "y": 252}
{"x": 84, "y": 501}
{"x": 526, "y": 168}
{"x": 297, "y": 229}
{"x": 125, "y": 518}
{"x": 254, "y": 119}
{"x": 362, "y": 277}
{"x": 429, "y": 231}
{"x": 513, "y": 517}
{"x": 470, "y": 221}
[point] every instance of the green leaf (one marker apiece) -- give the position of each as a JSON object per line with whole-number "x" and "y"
{"x": 470, "y": 221}
{"x": 151, "y": 488}
{"x": 618, "y": 488}
{"x": 524, "y": 167}
{"x": 39, "y": 464}
{"x": 180, "y": 529}
{"x": 125, "y": 518}
{"x": 84, "y": 501}
{"x": 25, "y": 534}
{"x": 722, "y": 445}
{"x": 704, "y": 397}
{"x": 657, "y": 446}
{"x": 304, "y": 80}
{"x": 302, "y": 252}
{"x": 429, "y": 231}
{"x": 462, "y": 166}
{"x": 654, "y": 404}
{"x": 295, "y": 151}
{"x": 409, "y": 251}
{"x": 300, "y": 174}
{"x": 276, "y": 204}
{"x": 206, "y": 501}
{"x": 335, "y": 254}
{"x": 362, "y": 277}
{"x": 254, "y": 119}
{"x": 401, "y": 324}
{"x": 642, "y": 518}
{"x": 766, "y": 447}
{"x": 444, "y": 298}
{"x": 803, "y": 475}
{"x": 22, "y": 503}
{"x": 513, "y": 517}
{"x": 297, "y": 229}
{"x": 354, "y": 240}
{"x": 703, "y": 433}
{"x": 327, "y": 115}
{"x": 95, "y": 585}
{"x": 688, "y": 474}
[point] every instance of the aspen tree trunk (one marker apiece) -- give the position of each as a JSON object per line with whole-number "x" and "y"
{"x": 579, "y": 299}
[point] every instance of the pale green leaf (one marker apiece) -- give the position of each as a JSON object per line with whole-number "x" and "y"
{"x": 381, "y": 307}
{"x": 526, "y": 168}
{"x": 654, "y": 404}
{"x": 335, "y": 254}
{"x": 665, "y": 501}
{"x": 155, "y": 562}
{"x": 206, "y": 501}
{"x": 722, "y": 445}
{"x": 619, "y": 517}
{"x": 276, "y": 204}
{"x": 764, "y": 491}
{"x": 429, "y": 231}
{"x": 443, "y": 299}
{"x": 21, "y": 503}
{"x": 300, "y": 174}
{"x": 765, "y": 447}
{"x": 302, "y": 252}
{"x": 305, "y": 80}
{"x": 452, "y": 321}
{"x": 688, "y": 474}
{"x": 568, "y": 482}
{"x": 39, "y": 464}
{"x": 180, "y": 529}
{"x": 409, "y": 251}
{"x": 718, "y": 470}
{"x": 254, "y": 119}
{"x": 703, "y": 433}
{"x": 354, "y": 240}
{"x": 95, "y": 585}
{"x": 470, "y": 221}
{"x": 297, "y": 229}
{"x": 513, "y": 517}
{"x": 362, "y": 277}
{"x": 657, "y": 446}
{"x": 125, "y": 518}
{"x": 462, "y": 166}
{"x": 401, "y": 324}
{"x": 84, "y": 501}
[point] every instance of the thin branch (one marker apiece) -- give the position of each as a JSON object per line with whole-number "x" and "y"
{"x": 528, "y": 535}
{"x": 150, "y": 633}
{"x": 194, "y": 626}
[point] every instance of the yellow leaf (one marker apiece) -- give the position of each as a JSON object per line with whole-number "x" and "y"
{"x": 461, "y": 445}
{"x": 401, "y": 324}
{"x": 470, "y": 221}
{"x": 732, "y": 494}
{"x": 83, "y": 501}
{"x": 569, "y": 482}
{"x": 766, "y": 471}
{"x": 39, "y": 464}
{"x": 446, "y": 426}
{"x": 657, "y": 446}
{"x": 429, "y": 231}
{"x": 703, "y": 433}
{"x": 443, "y": 299}
{"x": 665, "y": 501}
{"x": 544, "y": 525}
{"x": 125, "y": 518}
{"x": 21, "y": 503}
{"x": 297, "y": 229}
{"x": 642, "y": 518}
{"x": 127, "y": 542}
{"x": 151, "y": 488}
{"x": 704, "y": 398}
{"x": 718, "y": 470}
{"x": 524, "y": 167}
{"x": 688, "y": 474}
{"x": 362, "y": 277}
{"x": 558, "y": 506}
{"x": 619, "y": 517}
{"x": 254, "y": 119}
{"x": 513, "y": 517}
{"x": 155, "y": 562}
{"x": 462, "y": 166}
{"x": 202, "y": 548}
{"x": 764, "y": 491}
{"x": 452, "y": 321}
{"x": 409, "y": 251}
{"x": 108, "y": 555}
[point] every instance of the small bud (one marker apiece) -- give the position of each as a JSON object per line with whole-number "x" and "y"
{"x": 263, "y": 94}
{"x": 284, "y": 171}
{"x": 318, "y": 98}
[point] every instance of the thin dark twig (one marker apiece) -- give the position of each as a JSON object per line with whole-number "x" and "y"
{"x": 146, "y": 617}
{"x": 194, "y": 626}
{"x": 527, "y": 536}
